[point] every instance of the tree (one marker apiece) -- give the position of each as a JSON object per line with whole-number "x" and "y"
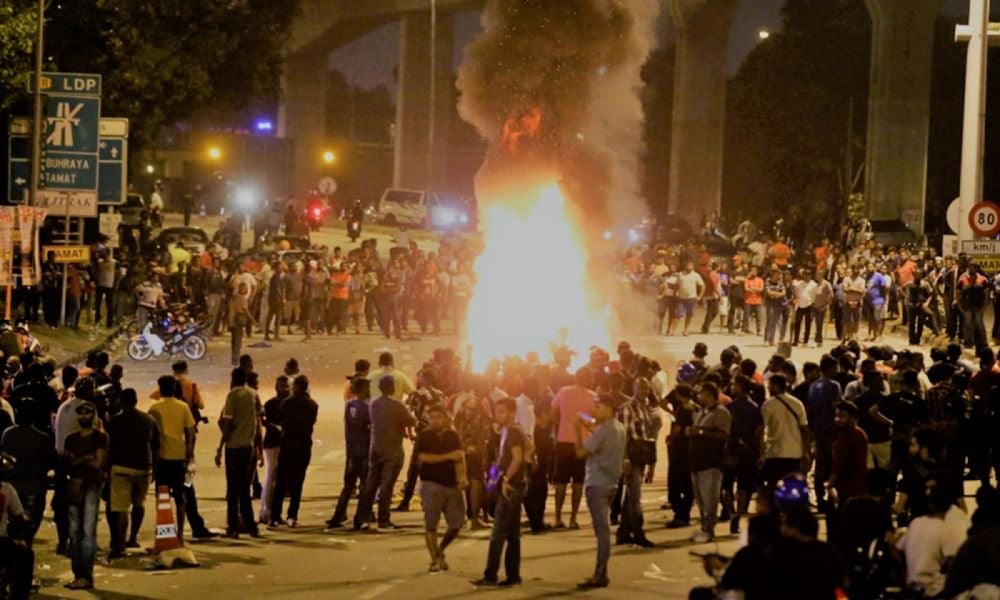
{"x": 787, "y": 115}
{"x": 164, "y": 60}
{"x": 17, "y": 30}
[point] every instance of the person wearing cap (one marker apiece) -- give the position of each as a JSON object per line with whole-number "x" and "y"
{"x": 85, "y": 456}
{"x": 850, "y": 455}
{"x": 600, "y": 440}
{"x": 357, "y": 441}
{"x": 391, "y": 422}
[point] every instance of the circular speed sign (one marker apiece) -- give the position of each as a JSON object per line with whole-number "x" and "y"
{"x": 984, "y": 218}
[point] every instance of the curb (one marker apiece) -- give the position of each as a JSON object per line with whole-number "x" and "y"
{"x": 99, "y": 346}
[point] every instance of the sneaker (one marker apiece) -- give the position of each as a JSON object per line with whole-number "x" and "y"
{"x": 276, "y": 524}
{"x": 132, "y": 544}
{"x": 334, "y": 523}
{"x": 386, "y": 527}
{"x": 701, "y": 537}
{"x": 434, "y": 568}
{"x": 401, "y": 508}
{"x": 293, "y": 523}
{"x": 507, "y": 583}
{"x": 678, "y": 524}
{"x": 80, "y": 584}
{"x": 645, "y": 542}
{"x": 485, "y": 582}
{"x": 204, "y": 534}
{"x": 592, "y": 583}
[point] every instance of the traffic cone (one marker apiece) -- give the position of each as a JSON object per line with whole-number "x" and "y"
{"x": 166, "y": 524}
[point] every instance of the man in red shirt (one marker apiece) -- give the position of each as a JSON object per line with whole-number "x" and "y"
{"x": 850, "y": 454}
{"x": 754, "y": 289}
{"x": 339, "y": 291}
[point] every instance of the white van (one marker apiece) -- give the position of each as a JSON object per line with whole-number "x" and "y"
{"x": 419, "y": 208}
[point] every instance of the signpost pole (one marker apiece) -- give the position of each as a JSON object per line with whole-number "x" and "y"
{"x": 10, "y": 282}
{"x": 973, "y": 133}
{"x": 37, "y": 126}
{"x": 62, "y": 318}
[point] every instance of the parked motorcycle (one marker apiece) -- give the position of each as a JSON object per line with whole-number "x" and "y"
{"x": 190, "y": 340}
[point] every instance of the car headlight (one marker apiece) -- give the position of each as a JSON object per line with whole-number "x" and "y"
{"x": 446, "y": 216}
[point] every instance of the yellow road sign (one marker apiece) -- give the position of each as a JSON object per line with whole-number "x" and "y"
{"x": 68, "y": 254}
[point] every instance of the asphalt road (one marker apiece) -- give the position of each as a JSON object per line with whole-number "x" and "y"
{"x": 308, "y": 562}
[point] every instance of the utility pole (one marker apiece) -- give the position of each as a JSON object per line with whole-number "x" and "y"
{"x": 432, "y": 118}
{"x": 977, "y": 33}
{"x": 37, "y": 127}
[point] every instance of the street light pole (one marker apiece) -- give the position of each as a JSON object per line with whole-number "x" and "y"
{"x": 432, "y": 118}
{"x": 36, "y": 125}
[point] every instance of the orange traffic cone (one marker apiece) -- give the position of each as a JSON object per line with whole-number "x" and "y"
{"x": 166, "y": 524}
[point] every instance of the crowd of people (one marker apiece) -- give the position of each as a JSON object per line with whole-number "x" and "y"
{"x": 769, "y": 290}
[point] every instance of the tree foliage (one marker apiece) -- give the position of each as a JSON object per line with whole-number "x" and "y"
{"x": 17, "y": 32}
{"x": 787, "y": 115}
{"x": 164, "y": 60}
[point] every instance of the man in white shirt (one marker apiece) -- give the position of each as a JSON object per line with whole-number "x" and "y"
{"x": 786, "y": 432}
{"x": 803, "y": 287}
{"x": 690, "y": 289}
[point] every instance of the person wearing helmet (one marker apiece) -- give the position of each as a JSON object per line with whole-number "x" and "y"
{"x": 10, "y": 344}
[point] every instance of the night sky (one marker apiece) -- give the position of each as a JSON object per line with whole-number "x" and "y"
{"x": 371, "y": 60}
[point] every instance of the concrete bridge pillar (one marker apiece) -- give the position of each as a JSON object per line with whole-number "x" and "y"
{"x": 699, "y": 106}
{"x": 899, "y": 108}
{"x": 413, "y": 158}
{"x": 302, "y": 115}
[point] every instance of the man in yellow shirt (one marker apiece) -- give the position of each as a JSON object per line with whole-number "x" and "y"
{"x": 176, "y": 424}
{"x": 404, "y": 386}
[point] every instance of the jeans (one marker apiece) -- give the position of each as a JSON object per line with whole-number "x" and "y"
{"x": 737, "y": 307}
{"x": 388, "y": 316}
{"x": 802, "y": 314}
{"x": 83, "y": 532}
{"x": 239, "y": 464}
{"x": 382, "y": 474}
{"x": 707, "y": 487}
{"x": 291, "y": 475}
{"x": 506, "y": 530}
{"x": 824, "y": 463}
{"x": 819, "y": 320}
{"x": 72, "y": 311}
{"x": 274, "y": 314}
{"x": 537, "y": 494}
{"x": 680, "y": 492}
{"x": 751, "y": 310}
{"x": 355, "y": 474}
{"x": 267, "y": 487}
{"x": 599, "y": 503}
{"x": 774, "y": 312}
{"x": 336, "y": 314}
{"x": 412, "y": 470}
{"x": 33, "y": 502}
{"x": 108, "y": 296}
{"x": 711, "y": 312}
{"x": 632, "y": 521}
{"x": 973, "y": 328}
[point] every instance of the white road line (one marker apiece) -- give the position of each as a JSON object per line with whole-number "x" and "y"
{"x": 333, "y": 455}
{"x": 472, "y": 538}
{"x": 378, "y": 590}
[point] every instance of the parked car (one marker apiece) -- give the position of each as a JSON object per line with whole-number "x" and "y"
{"x": 194, "y": 238}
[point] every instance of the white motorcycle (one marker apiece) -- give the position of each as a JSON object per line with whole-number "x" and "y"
{"x": 148, "y": 343}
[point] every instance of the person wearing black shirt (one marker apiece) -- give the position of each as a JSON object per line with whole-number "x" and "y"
{"x": 442, "y": 478}
{"x": 509, "y": 471}
{"x": 298, "y": 418}
{"x": 271, "y": 444}
{"x": 545, "y": 445}
{"x": 34, "y": 454}
{"x": 357, "y": 434}
{"x": 133, "y": 441}
{"x": 680, "y": 489}
{"x": 877, "y": 427}
{"x": 44, "y": 400}
{"x": 907, "y": 411}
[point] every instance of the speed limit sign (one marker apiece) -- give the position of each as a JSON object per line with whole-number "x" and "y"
{"x": 984, "y": 218}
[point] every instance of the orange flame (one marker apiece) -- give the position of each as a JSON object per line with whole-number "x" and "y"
{"x": 526, "y": 125}
{"x": 532, "y": 285}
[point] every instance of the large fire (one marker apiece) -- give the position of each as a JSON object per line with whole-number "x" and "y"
{"x": 533, "y": 288}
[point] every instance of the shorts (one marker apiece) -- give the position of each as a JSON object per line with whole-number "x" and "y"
{"x": 475, "y": 468}
{"x": 128, "y": 488}
{"x": 685, "y": 307}
{"x": 568, "y": 466}
{"x": 438, "y": 499}
{"x": 878, "y": 312}
{"x": 171, "y": 473}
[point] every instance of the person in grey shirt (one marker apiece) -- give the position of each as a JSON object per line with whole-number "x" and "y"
{"x": 391, "y": 422}
{"x": 605, "y": 454}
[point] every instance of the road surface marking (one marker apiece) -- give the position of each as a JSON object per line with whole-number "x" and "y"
{"x": 377, "y": 591}
{"x": 333, "y": 455}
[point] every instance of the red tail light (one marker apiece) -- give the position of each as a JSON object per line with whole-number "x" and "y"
{"x": 317, "y": 212}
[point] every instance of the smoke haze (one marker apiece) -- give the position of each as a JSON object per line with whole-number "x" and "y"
{"x": 577, "y": 62}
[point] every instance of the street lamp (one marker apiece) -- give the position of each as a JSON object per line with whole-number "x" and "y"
{"x": 329, "y": 157}
{"x": 763, "y": 34}
{"x": 150, "y": 169}
{"x": 214, "y": 153}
